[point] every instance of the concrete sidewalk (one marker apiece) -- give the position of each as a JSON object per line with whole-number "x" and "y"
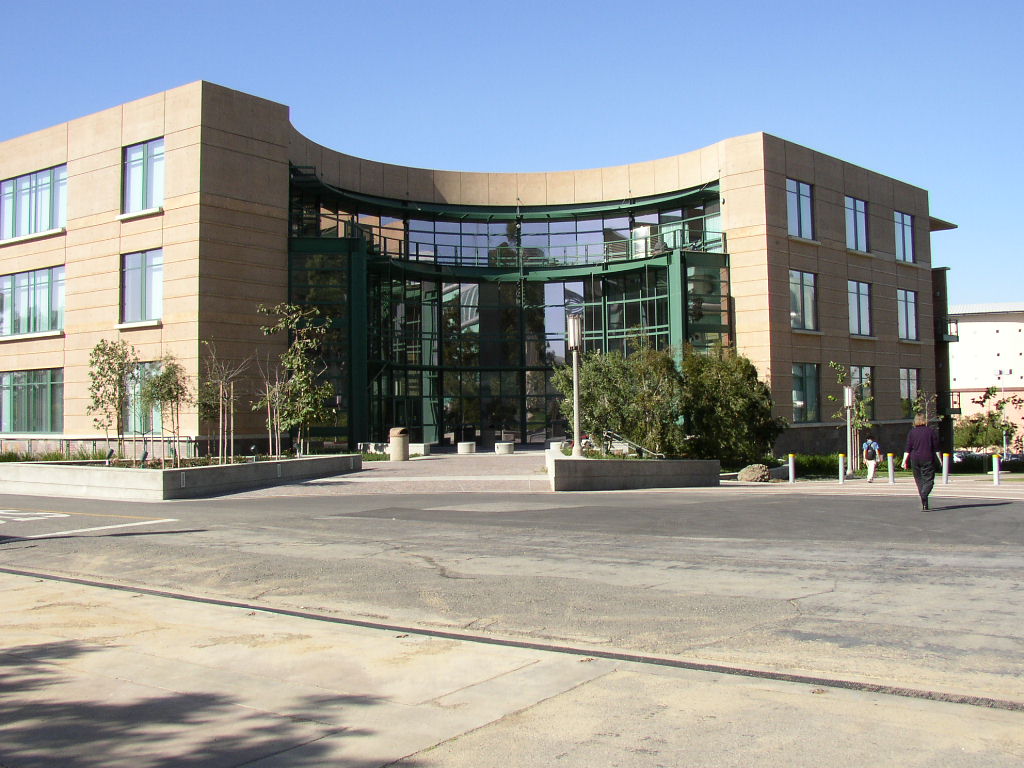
{"x": 95, "y": 677}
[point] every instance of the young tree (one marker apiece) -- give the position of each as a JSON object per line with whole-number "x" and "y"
{"x": 167, "y": 389}
{"x": 727, "y": 408}
{"x": 860, "y": 415}
{"x": 215, "y": 396}
{"x": 113, "y": 368}
{"x": 304, "y": 399}
{"x": 990, "y": 427}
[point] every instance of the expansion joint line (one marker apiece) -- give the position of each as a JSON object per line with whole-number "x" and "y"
{"x": 762, "y": 674}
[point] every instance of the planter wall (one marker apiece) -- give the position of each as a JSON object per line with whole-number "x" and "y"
{"x": 569, "y": 474}
{"x": 102, "y": 482}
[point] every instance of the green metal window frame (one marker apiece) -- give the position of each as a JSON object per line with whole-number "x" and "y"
{"x": 803, "y": 300}
{"x": 910, "y": 379}
{"x": 906, "y": 308}
{"x": 859, "y": 295}
{"x": 142, "y": 300}
{"x": 856, "y": 224}
{"x": 904, "y": 223}
{"x": 136, "y": 419}
{"x": 800, "y": 209}
{"x": 32, "y": 401}
{"x": 33, "y": 203}
{"x": 32, "y": 302}
{"x": 147, "y": 190}
{"x": 806, "y": 392}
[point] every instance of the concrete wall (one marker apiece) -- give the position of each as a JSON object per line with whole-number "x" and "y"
{"x": 101, "y": 482}
{"x": 619, "y": 475}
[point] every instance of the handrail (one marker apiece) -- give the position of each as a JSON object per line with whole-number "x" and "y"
{"x": 613, "y": 436}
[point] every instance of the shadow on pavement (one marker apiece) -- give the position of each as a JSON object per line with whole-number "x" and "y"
{"x": 46, "y": 724}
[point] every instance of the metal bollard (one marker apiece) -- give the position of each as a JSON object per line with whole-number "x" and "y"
{"x": 792, "y": 468}
{"x": 945, "y": 469}
{"x": 842, "y": 468}
{"x": 995, "y": 469}
{"x": 892, "y": 470}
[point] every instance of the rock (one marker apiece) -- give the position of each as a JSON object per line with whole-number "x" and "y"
{"x": 755, "y": 473}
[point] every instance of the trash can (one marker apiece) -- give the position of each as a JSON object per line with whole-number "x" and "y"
{"x": 398, "y": 446}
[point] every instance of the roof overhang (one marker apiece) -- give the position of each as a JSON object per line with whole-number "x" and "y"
{"x": 938, "y": 225}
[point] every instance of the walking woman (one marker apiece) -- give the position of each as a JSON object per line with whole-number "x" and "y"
{"x": 922, "y": 450}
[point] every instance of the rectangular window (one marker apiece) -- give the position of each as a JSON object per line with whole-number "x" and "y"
{"x": 32, "y": 401}
{"x": 906, "y": 306}
{"x": 860, "y": 379}
{"x": 856, "y": 224}
{"x": 142, "y": 286}
{"x": 904, "y": 236}
{"x": 798, "y": 198}
{"x": 32, "y": 302}
{"x": 802, "y": 300}
{"x": 139, "y": 420}
{"x": 36, "y": 202}
{"x": 143, "y": 176}
{"x": 860, "y": 307}
{"x": 908, "y": 389}
{"x": 805, "y": 392}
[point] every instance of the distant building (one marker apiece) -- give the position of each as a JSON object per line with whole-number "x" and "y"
{"x": 166, "y": 221}
{"x": 990, "y": 354}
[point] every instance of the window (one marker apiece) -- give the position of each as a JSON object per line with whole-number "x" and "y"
{"x": 798, "y": 197}
{"x": 32, "y": 401}
{"x": 860, "y": 380}
{"x": 860, "y": 307}
{"x": 802, "y": 302}
{"x": 144, "y": 176}
{"x": 137, "y": 419}
{"x": 34, "y": 203}
{"x": 856, "y": 224}
{"x": 805, "y": 392}
{"x": 906, "y": 306}
{"x": 904, "y": 236}
{"x": 908, "y": 389}
{"x": 142, "y": 289}
{"x": 32, "y": 302}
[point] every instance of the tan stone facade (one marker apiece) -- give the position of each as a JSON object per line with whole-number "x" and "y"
{"x": 223, "y": 229}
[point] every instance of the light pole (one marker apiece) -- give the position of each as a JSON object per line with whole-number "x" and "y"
{"x": 574, "y": 326}
{"x": 848, "y": 407}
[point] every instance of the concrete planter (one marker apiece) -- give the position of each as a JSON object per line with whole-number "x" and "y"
{"x": 102, "y": 482}
{"x": 569, "y": 474}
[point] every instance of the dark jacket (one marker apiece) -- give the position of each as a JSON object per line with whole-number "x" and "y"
{"x": 922, "y": 444}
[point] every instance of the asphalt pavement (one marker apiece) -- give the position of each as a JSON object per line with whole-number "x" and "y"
{"x": 452, "y": 612}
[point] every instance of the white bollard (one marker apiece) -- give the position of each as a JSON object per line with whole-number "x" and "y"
{"x": 995, "y": 469}
{"x": 792, "y": 468}
{"x": 842, "y": 468}
{"x": 945, "y": 469}
{"x": 892, "y": 470}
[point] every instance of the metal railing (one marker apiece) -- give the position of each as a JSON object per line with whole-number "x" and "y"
{"x": 612, "y": 437}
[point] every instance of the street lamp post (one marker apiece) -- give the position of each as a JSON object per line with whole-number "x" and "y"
{"x": 848, "y": 405}
{"x": 574, "y": 323}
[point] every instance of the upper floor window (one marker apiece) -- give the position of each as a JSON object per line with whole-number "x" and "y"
{"x": 860, "y": 307}
{"x": 32, "y": 401}
{"x": 805, "y": 391}
{"x": 856, "y": 224}
{"x": 798, "y": 198}
{"x": 143, "y": 176}
{"x": 904, "y": 236}
{"x": 32, "y": 302}
{"x": 33, "y": 203}
{"x": 802, "y": 300}
{"x": 906, "y": 306}
{"x": 142, "y": 287}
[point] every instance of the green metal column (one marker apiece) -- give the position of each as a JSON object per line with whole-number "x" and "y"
{"x": 677, "y": 331}
{"x": 358, "y": 330}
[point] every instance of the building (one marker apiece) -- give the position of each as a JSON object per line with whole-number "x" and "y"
{"x": 166, "y": 221}
{"x": 991, "y": 354}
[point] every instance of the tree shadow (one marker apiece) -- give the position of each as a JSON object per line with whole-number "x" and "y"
{"x": 49, "y": 719}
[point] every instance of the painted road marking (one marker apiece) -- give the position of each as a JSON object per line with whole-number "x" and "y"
{"x": 21, "y": 516}
{"x": 99, "y": 528}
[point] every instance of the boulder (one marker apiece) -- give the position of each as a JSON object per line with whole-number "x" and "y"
{"x": 755, "y": 473}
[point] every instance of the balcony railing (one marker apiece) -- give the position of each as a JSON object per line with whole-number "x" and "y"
{"x": 639, "y": 246}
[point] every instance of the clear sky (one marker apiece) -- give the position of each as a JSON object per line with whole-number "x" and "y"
{"x": 927, "y": 92}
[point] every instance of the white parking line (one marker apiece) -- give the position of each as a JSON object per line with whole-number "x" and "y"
{"x": 100, "y": 528}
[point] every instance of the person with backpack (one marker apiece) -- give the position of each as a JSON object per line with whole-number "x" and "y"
{"x": 871, "y": 452}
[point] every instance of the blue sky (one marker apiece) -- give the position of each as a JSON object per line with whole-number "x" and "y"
{"x": 927, "y": 92}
